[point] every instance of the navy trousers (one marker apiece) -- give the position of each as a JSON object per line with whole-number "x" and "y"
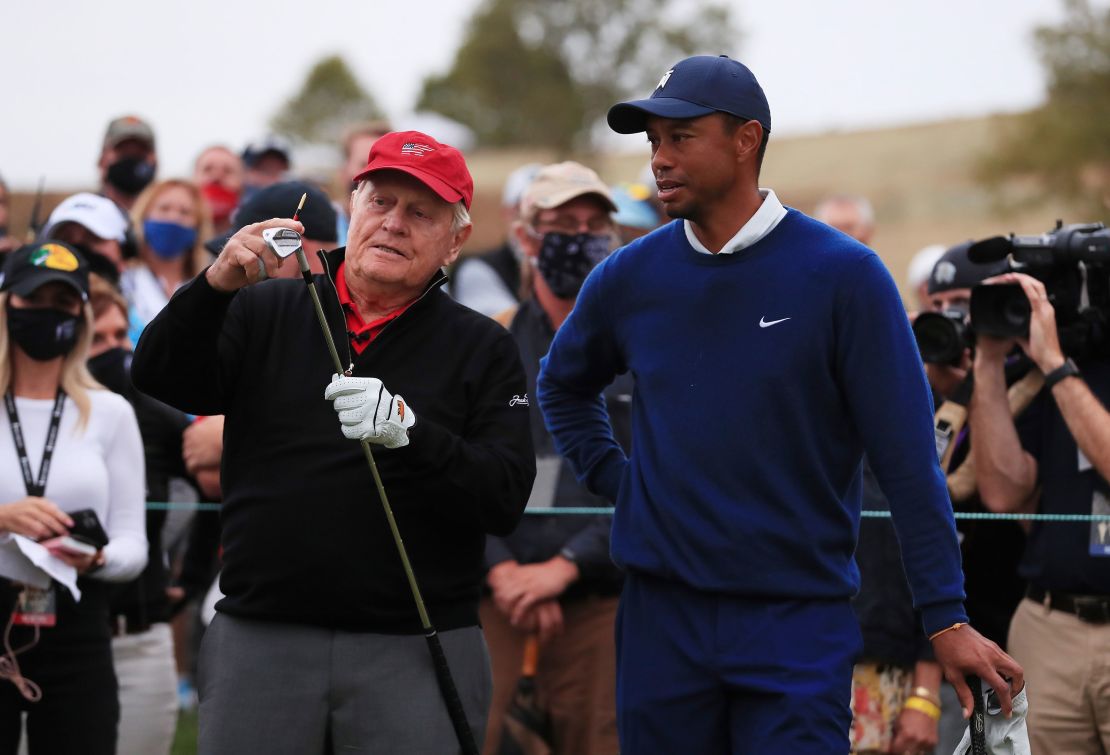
{"x": 716, "y": 674}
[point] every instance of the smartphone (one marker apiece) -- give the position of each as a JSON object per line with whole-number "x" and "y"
{"x": 69, "y": 544}
{"x": 86, "y": 529}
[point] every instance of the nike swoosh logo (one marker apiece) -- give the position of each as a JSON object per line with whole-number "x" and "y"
{"x": 764, "y": 324}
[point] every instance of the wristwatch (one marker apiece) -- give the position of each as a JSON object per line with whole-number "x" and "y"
{"x": 1066, "y": 370}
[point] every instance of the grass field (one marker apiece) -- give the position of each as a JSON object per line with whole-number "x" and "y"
{"x": 185, "y": 740}
{"x": 920, "y": 179}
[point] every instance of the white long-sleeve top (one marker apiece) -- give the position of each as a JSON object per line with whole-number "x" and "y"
{"x": 100, "y": 468}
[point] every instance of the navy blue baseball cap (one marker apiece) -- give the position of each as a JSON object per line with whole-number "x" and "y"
{"x": 695, "y": 87}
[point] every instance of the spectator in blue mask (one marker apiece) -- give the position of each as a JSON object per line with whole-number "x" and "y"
{"x": 171, "y": 221}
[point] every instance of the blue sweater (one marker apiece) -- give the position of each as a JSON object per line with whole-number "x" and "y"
{"x": 748, "y": 433}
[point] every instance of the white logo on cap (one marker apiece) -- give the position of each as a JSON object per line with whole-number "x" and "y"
{"x": 945, "y": 273}
{"x": 412, "y": 148}
{"x": 663, "y": 81}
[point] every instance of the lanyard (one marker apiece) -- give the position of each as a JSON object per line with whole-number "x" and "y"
{"x": 35, "y": 487}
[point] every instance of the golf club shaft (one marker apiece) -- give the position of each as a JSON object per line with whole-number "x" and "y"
{"x": 977, "y": 723}
{"x": 439, "y": 659}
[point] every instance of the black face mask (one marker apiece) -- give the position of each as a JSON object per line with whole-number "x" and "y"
{"x": 130, "y": 175}
{"x": 112, "y": 369}
{"x": 44, "y": 334}
{"x": 565, "y": 260}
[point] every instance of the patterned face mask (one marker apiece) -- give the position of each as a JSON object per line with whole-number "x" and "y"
{"x": 566, "y": 259}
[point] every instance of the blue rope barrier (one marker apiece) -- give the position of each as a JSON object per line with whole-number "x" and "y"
{"x": 608, "y": 510}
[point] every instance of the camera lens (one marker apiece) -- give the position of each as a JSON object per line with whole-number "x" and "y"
{"x": 940, "y": 337}
{"x": 1015, "y": 312}
{"x": 1001, "y": 311}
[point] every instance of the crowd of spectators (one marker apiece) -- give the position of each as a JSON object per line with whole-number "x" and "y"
{"x": 105, "y": 665}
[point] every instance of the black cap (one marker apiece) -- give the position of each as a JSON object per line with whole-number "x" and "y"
{"x": 269, "y": 145}
{"x": 279, "y": 201}
{"x": 695, "y": 87}
{"x": 956, "y": 270}
{"x": 34, "y": 265}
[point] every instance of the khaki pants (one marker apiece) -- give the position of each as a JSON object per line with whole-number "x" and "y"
{"x": 147, "y": 690}
{"x": 1067, "y": 668}
{"x": 576, "y": 678}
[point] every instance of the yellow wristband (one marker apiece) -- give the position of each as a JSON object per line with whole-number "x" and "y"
{"x": 957, "y": 625}
{"x": 921, "y": 705}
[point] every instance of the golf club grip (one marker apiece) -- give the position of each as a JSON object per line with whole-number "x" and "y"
{"x": 978, "y": 723}
{"x": 450, "y": 695}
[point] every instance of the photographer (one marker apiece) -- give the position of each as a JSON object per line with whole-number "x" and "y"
{"x": 990, "y": 550}
{"x": 1061, "y": 631}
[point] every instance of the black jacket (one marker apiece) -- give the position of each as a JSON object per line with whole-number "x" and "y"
{"x": 304, "y": 536}
{"x": 585, "y": 539}
{"x": 891, "y": 629}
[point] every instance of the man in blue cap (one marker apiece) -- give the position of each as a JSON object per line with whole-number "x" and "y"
{"x": 769, "y": 352}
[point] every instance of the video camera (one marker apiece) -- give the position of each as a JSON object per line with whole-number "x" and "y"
{"x": 1073, "y": 262}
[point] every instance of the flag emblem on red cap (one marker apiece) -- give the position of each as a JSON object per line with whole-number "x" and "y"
{"x": 412, "y": 148}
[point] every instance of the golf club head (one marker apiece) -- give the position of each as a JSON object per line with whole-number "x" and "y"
{"x": 283, "y": 242}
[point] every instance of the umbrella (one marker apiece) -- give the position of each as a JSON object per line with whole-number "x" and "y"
{"x": 527, "y": 728}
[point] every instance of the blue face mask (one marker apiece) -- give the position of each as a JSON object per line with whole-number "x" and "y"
{"x": 168, "y": 240}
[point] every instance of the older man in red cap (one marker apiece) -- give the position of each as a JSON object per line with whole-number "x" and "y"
{"x": 317, "y": 645}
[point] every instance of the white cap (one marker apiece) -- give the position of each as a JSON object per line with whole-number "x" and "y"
{"x": 99, "y": 214}
{"x": 516, "y": 183}
{"x": 921, "y": 266}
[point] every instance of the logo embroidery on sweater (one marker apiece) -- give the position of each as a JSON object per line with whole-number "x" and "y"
{"x": 522, "y": 400}
{"x": 764, "y": 324}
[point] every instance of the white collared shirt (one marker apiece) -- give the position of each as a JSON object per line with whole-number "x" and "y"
{"x": 769, "y": 214}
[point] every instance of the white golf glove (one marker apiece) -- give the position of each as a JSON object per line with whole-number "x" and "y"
{"x": 1005, "y": 736}
{"x": 367, "y": 411}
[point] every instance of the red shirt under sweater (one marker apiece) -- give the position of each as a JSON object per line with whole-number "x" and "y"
{"x": 360, "y": 333}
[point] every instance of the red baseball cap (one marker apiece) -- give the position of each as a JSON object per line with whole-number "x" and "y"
{"x": 440, "y": 167}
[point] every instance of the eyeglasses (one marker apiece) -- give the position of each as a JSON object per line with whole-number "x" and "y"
{"x": 570, "y": 225}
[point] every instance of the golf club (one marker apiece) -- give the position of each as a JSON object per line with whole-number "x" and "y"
{"x": 978, "y": 721}
{"x": 284, "y": 242}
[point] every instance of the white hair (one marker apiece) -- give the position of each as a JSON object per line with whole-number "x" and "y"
{"x": 861, "y": 205}
{"x": 922, "y": 264}
{"x": 460, "y": 217}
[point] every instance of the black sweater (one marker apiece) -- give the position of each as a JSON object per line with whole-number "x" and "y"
{"x": 304, "y": 538}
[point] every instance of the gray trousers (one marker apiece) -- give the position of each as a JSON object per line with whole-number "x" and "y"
{"x": 277, "y": 688}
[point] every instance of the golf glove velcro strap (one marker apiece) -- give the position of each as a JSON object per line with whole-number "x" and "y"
{"x": 367, "y": 411}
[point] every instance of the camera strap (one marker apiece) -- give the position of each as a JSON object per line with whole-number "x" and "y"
{"x": 35, "y": 486}
{"x": 950, "y": 419}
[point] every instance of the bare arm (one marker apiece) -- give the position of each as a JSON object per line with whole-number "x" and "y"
{"x": 914, "y": 730}
{"x": 1005, "y": 472}
{"x": 1088, "y": 421}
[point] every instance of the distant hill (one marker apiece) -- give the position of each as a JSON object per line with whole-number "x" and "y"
{"x": 919, "y": 179}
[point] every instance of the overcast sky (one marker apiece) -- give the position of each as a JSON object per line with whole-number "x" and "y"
{"x": 215, "y": 70}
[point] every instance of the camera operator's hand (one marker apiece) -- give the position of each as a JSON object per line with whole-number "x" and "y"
{"x": 946, "y": 378}
{"x": 991, "y": 351}
{"x": 246, "y": 259}
{"x": 1043, "y": 344}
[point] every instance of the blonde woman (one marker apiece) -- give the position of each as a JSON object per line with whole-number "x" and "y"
{"x": 171, "y": 222}
{"x": 66, "y": 444}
